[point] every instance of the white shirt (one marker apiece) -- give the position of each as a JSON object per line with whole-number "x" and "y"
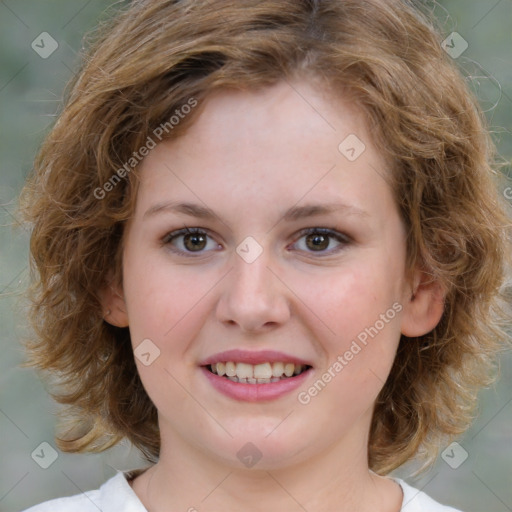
{"x": 116, "y": 495}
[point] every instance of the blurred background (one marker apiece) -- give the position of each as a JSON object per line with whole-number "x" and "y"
{"x": 39, "y": 42}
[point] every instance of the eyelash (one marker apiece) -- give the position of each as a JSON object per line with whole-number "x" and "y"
{"x": 342, "y": 238}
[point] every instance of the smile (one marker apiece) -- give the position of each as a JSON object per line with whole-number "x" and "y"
{"x": 263, "y": 373}
{"x": 255, "y": 376}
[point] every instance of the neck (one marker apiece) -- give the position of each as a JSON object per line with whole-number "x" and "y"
{"x": 338, "y": 478}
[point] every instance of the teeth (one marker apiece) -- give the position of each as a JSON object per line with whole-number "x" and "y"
{"x": 277, "y": 369}
{"x": 262, "y": 371}
{"x": 289, "y": 368}
{"x": 220, "y": 369}
{"x": 244, "y": 371}
{"x": 230, "y": 369}
{"x": 258, "y": 373}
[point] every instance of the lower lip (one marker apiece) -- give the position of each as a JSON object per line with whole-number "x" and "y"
{"x": 254, "y": 392}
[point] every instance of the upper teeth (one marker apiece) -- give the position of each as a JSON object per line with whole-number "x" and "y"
{"x": 257, "y": 371}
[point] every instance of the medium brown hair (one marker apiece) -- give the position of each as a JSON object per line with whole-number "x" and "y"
{"x": 148, "y": 62}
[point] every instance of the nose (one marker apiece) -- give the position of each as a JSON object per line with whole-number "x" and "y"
{"x": 252, "y": 297}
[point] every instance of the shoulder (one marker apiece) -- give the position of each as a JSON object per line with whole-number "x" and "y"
{"x": 417, "y": 501}
{"x": 115, "y": 495}
{"x": 87, "y": 502}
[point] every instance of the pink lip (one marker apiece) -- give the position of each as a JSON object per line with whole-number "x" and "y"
{"x": 254, "y": 392}
{"x": 246, "y": 356}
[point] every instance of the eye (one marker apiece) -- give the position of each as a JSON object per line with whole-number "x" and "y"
{"x": 321, "y": 240}
{"x": 190, "y": 240}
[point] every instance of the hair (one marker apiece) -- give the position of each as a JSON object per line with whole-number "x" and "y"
{"x": 156, "y": 56}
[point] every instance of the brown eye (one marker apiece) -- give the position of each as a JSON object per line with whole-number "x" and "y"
{"x": 194, "y": 241}
{"x": 190, "y": 242}
{"x": 317, "y": 242}
{"x": 322, "y": 241}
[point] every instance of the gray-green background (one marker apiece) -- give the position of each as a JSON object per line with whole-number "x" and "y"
{"x": 30, "y": 90}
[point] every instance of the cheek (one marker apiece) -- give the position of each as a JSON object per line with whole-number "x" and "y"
{"x": 348, "y": 301}
{"x": 356, "y": 322}
{"x": 162, "y": 299}
{"x": 168, "y": 307}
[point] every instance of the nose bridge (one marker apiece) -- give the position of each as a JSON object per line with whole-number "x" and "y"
{"x": 252, "y": 296}
{"x": 254, "y": 277}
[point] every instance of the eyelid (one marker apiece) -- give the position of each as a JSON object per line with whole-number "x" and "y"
{"x": 325, "y": 231}
{"x": 183, "y": 231}
{"x": 171, "y": 235}
{"x": 342, "y": 238}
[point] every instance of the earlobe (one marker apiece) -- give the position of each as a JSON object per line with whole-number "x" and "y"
{"x": 114, "y": 306}
{"x": 425, "y": 306}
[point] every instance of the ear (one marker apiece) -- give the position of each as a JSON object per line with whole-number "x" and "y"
{"x": 114, "y": 306}
{"x": 424, "y": 308}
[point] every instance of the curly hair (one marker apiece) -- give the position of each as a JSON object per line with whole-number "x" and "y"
{"x": 146, "y": 64}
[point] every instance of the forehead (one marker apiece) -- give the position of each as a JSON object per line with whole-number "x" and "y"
{"x": 284, "y": 142}
{"x": 277, "y": 118}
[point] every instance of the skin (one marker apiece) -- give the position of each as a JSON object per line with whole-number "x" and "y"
{"x": 249, "y": 157}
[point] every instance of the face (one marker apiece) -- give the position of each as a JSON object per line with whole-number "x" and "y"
{"x": 266, "y": 241}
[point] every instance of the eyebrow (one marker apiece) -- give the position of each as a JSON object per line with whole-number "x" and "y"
{"x": 294, "y": 213}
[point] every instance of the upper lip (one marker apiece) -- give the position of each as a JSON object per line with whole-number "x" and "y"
{"x": 253, "y": 357}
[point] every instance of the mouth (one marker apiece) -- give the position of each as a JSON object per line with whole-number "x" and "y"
{"x": 255, "y": 376}
{"x": 263, "y": 373}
